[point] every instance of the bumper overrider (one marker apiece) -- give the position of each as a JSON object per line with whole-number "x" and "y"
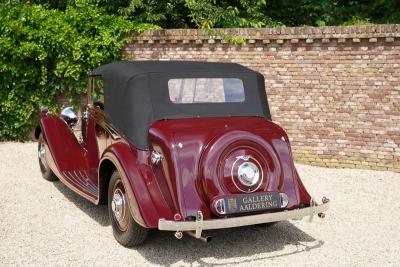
{"x": 199, "y": 225}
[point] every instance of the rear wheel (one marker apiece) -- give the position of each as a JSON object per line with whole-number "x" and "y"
{"x": 126, "y": 231}
{"x": 47, "y": 173}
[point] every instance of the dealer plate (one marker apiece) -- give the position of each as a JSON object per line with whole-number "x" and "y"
{"x": 252, "y": 202}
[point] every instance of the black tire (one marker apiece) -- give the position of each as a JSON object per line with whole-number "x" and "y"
{"x": 126, "y": 231}
{"x": 47, "y": 173}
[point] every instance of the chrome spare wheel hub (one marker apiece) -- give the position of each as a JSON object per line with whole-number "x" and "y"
{"x": 248, "y": 174}
{"x": 118, "y": 205}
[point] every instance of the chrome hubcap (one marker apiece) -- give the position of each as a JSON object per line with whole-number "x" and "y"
{"x": 42, "y": 155}
{"x": 249, "y": 174}
{"x": 42, "y": 151}
{"x": 118, "y": 205}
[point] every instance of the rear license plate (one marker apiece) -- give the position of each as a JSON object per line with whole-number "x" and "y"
{"x": 252, "y": 202}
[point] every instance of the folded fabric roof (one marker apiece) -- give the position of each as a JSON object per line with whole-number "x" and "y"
{"x": 136, "y": 94}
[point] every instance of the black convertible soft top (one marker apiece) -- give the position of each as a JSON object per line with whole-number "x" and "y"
{"x": 136, "y": 94}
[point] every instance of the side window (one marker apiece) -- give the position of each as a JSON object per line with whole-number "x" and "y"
{"x": 98, "y": 92}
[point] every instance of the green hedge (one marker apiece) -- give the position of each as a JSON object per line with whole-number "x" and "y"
{"x": 44, "y": 52}
{"x": 48, "y": 48}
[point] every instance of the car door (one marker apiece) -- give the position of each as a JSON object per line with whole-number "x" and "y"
{"x": 94, "y": 136}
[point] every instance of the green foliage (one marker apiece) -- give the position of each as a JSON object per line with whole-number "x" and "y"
{"x": 356, "y": 21}
{"x": 211, "y": 14}
{"x": 46, "y": 52}
{"x": 208, "y": 14}
{"x": 204, "y": 14}
{"x": 140, "y": 27}
{"x": 241, "y": 13}
{"x": 333, "y": 12}
{"x": 47, "y": 47}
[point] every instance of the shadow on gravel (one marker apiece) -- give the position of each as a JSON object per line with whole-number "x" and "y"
{"x": 97, "y": 213}
{"x": 228, "y": 246}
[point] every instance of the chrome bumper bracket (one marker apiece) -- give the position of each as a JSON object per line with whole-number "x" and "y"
{"x": 199, "y": 224}
{"x": 312, "y": 210}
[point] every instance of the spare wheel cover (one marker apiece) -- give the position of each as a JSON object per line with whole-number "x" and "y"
{"x": 239, "y": 162}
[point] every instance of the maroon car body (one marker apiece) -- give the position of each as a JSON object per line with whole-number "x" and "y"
{"x": 191, "y": 172}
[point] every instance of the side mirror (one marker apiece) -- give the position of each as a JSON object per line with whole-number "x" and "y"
{"x": 69, "y": 115}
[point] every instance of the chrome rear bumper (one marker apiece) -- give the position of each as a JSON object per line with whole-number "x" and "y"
{"x": 201, "y": 224}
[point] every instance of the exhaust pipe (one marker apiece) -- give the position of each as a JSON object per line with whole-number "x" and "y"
{"x": 205, "y": 239}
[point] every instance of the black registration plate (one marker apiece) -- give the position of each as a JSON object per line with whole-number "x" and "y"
{"x": 252, "y": 202}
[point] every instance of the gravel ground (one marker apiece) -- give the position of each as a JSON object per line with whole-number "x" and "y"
{"x": 45, "y": 224}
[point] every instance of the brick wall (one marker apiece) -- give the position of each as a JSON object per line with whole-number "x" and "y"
{"x": 336, "y": 90}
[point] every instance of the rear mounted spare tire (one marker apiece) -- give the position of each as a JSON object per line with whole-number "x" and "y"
{"x": 230, "y": 157}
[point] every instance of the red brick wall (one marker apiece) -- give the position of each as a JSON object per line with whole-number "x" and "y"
{"x": 336, "y": 90}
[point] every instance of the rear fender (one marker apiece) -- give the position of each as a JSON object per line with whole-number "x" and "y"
{"x": 145, "y": 199}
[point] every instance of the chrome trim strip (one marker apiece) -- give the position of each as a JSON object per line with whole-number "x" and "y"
{"x": 165, "y": 225}
{"x": 111, "y": 130}
{"x": 100, "y": 118}
{"x": 71, "y": 175}
{"x": 85, "y": 178}
{"x": 67, "y": 183}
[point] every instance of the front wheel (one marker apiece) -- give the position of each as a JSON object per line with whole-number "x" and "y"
{"x": 47, "y": 173}
{"x": 126, "y": 231}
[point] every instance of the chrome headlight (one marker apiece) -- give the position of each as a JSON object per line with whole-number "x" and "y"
{"x": 156, "y": 157}
{"x": 69, "y": 115}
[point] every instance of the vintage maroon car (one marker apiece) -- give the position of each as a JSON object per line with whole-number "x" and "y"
{"x": 176, "y": 146}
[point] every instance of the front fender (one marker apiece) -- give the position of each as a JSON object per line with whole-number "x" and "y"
{"x": 67, "y": 153}
{"x": 145, "y": 199}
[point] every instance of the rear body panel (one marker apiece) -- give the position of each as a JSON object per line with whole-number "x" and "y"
{"x": 193, "y": 149}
